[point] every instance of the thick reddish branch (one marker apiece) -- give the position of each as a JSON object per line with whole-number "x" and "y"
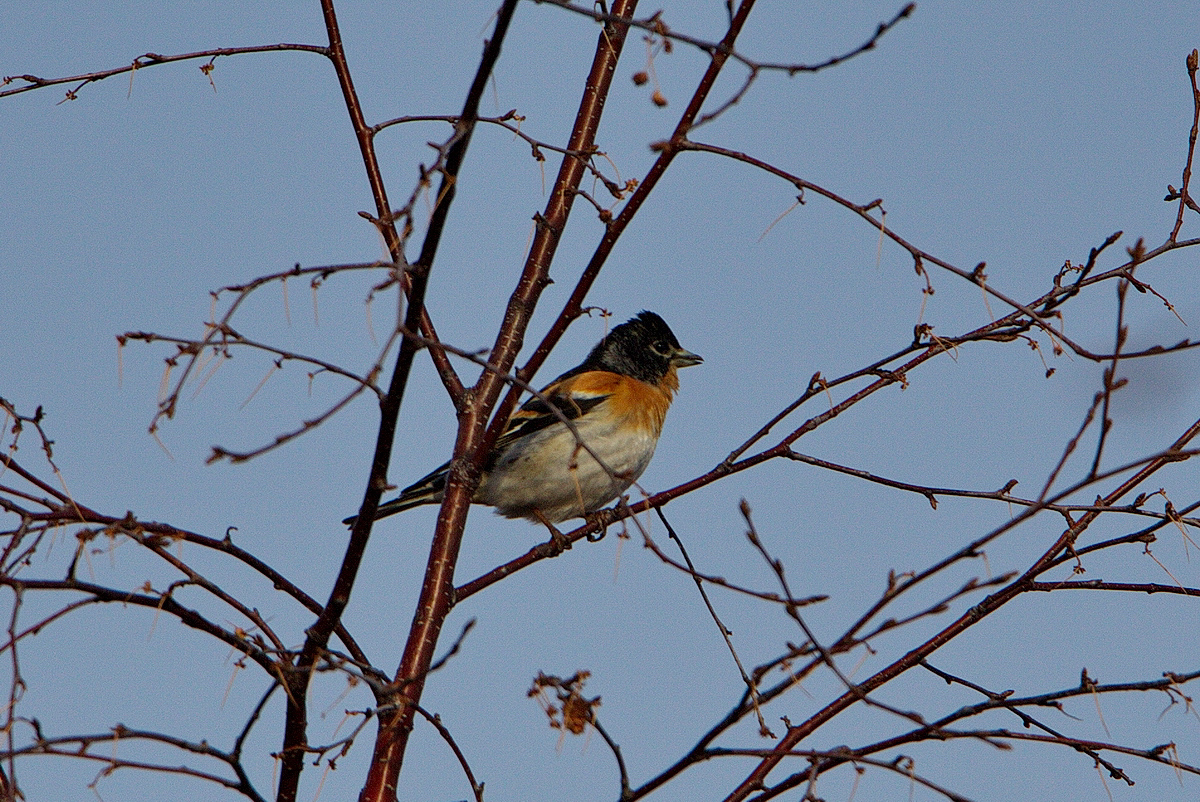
{"x": 436, "y": 598}
{"x": 295, "y": 731}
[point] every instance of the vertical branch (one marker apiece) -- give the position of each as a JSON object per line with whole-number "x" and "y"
{"x": 317, "y": 636}
{"x": 1111, "y": 382}
{"x": 436, "y": 598}
{"x": 1185, "y": 200}
{"x": 435, "y": 601}
{"x": 8, "y": 782}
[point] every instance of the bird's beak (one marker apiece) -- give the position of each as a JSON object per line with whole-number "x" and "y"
{"x": 683, "y": 359}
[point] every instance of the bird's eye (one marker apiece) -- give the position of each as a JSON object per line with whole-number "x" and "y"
{"x": 661, "y": 347}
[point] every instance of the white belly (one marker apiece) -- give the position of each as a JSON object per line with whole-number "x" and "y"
{"x": 566, "y": 481}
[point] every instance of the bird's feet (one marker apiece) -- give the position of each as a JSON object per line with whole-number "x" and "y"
{"x": 558, "y": 542}
{"x": 600, "y": 518}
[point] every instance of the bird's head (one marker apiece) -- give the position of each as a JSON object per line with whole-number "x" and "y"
{"x": 644, "y": 347}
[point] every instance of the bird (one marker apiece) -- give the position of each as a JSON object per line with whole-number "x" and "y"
{"x": 545, "y": 470}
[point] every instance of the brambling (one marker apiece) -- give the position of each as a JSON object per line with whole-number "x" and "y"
{"x": 616, "y": 401}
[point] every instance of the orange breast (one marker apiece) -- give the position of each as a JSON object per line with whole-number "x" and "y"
{"x": 646, "y": 404}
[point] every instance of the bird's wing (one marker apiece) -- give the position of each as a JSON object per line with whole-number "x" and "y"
{"x": 571, "y": 399}
{"x": 572, "y": 395}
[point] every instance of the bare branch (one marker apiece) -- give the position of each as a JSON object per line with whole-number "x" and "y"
{"x": 31, "y": 82}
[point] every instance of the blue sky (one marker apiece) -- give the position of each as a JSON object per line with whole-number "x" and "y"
{"x": 1020, "y": 135}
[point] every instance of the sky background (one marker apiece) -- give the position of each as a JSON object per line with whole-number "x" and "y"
{"x": 1018, "y": 134}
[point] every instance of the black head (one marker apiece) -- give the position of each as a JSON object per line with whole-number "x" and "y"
{"x": 644, "y": 348}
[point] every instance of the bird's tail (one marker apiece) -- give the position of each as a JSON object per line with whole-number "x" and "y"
{"x": 426, "y": 491}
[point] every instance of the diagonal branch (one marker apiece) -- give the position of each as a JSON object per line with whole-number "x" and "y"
{"x": 617, "y": 226}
